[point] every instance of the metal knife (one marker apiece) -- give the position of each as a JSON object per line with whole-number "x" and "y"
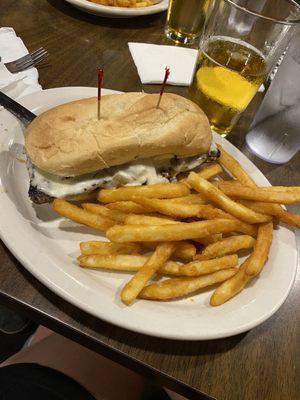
{"x": 17, "y": 109}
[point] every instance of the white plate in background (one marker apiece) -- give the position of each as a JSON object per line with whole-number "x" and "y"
{"x": 48, "y": 245}
{"x": 118, "y": 12}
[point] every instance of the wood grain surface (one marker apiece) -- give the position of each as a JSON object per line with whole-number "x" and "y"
{"x": 263, "y": 364}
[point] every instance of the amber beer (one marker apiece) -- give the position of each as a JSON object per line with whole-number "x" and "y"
{"x": 228, "y": 74}
{"x": 185, "y": 19}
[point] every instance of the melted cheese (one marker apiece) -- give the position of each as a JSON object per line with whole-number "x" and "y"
{"x": 136, "y": 173}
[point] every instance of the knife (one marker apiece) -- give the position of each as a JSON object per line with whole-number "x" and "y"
{"x": 17, "y": 109}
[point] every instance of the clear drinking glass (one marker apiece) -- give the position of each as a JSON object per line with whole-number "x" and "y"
{"x": 274, "y": 134}
{"x": 240, "y": 44}
{"x": 185, "y": 20}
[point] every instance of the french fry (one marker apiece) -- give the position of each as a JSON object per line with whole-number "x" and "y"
{"x": 133, "y": 219}
{"x": 132, "y": 288}
{"x": 225, "y": 246}
{"x": 251, "y": 267}
{"x": 176, "y": 210}
{"x": 287, "y": 217}
{"x": 234, "y": 167}
{"x": 209, "y": 171}
{"x": 159, "y": 190}
{"x": 262, "y": 207}
{"x": 275, "y": 189}
{"x": 262, "y": 189}
{"x": 197, "y": 268}
{"x": 261, "y": 249}
{"x": 161, "y": 233}
{"x": 118, "y": 262}
{"x": 108, "y": 248}
{"x": 185, "y": 251}
{"x": 170, "y": 268}
{"x": 178, "y": 287}
{"x": 181, "y": 210}
{"x": 124, "y": 263}
{"x": 275, "y": 210}
{"x": 218, "y": 197}
{"x": 190, "y": 199}
{"x": 124, "y": 3}
{"x": 210, "y": 212}
{"x": 127, "y": 207}
{"x": 272, "y": 194}
{"x": 244, "y": 227}
{"x": 143, "y": 4}
{"x": 77, "y": 214}
{"x": 133, "y": 208}
{"x": 232, "y": 286}
{"x": 241, "y": 175}
{"x": 207, "y": 240}
{"x": 191, "y": 210}
{"x": 115, "y": 215}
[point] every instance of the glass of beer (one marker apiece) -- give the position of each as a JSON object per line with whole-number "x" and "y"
{"x": 240, "y": 44}
{"x": 185, "y": 20}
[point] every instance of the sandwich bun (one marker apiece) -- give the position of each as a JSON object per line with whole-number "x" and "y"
{"x": 69, "y": 140}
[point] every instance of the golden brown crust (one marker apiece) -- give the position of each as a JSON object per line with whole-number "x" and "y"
{"x": 69, "y": 140}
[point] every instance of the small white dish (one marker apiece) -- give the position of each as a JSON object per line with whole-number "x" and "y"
{"x": 118, "y": 12}
{"x": 48, "y": 246}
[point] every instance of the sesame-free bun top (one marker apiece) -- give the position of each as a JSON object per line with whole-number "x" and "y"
{"x": 69, "y": 140}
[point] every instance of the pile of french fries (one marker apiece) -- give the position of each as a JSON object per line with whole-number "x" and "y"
{"x": 125, "y": 3}
{"x": 178, "y": 238}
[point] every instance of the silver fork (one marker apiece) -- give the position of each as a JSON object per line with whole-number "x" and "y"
{"x": 28, "y": 61}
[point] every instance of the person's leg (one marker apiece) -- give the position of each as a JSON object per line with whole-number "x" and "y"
{"x": 103, "y": 378}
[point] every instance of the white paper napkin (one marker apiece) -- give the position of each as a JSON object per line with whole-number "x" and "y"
{"x": 151, "y": 60}
{"x": 22, "y": 83}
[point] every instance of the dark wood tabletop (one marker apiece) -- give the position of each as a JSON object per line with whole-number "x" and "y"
{"x": 263, "y": 364}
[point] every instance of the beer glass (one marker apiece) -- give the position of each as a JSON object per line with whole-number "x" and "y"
{"x": 240, "y": 44}
{"x": 185, "y": 20}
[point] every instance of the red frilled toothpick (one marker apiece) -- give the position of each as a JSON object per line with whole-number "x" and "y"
{"x": 167, "y": 73}
{"x": 100, "y": 78}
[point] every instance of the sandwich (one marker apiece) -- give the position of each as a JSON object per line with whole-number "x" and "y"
{"x": 71, "y": 152}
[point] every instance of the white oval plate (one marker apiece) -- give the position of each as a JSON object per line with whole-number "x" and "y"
{"x": 48, "y": 246}
{"x": 118, "y": 12}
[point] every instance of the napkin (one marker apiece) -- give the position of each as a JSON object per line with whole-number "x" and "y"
{"x": 151, "y": 60}
{"x": 22, "y": 83}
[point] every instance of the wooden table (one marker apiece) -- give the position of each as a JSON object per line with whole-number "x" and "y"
{"x": 263, "y": 364}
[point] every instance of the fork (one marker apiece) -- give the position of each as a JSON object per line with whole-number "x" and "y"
{"x": 28, "y": 61}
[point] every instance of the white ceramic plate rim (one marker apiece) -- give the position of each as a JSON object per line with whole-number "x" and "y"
{"x": 73, "y": 290}
{"x": 109, "y": 11}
